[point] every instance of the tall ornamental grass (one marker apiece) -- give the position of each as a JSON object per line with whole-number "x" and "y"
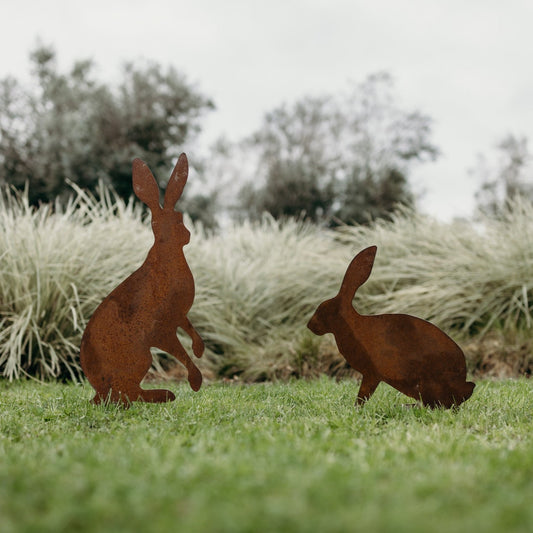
{"x": 257, "y": 284}
{"x": 56, "y": 263}
{"x": 465, "y": 278}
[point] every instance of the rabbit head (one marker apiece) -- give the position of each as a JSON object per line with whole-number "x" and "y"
{"x": 167, "y": 224}
{"x": 323, "y": 319}
{"x": 326, "y": 317}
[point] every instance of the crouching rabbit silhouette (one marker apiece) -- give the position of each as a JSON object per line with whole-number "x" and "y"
{"x": 410, "y": 354}
{"x": 146, "y": 309}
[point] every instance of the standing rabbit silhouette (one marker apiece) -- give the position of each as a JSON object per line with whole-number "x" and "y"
{"x": 146, "y": 309}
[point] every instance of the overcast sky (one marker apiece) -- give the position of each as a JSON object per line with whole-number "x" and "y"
{"x": 465, "y": 63}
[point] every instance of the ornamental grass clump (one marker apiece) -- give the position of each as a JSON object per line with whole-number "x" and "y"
{"x": 56, "y": 263}
{"x": 257, "y": 284}
{"x": 467, "y": 279}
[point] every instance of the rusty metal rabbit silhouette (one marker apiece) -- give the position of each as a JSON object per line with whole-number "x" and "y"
{"x": 408, "y": 353}
{"x": 146, "y": 309}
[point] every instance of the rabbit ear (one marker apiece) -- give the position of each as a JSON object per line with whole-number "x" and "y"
{"x": 357, "y": 273}
{"x": 144, "y": 185}
{"x": 177, "y": 182}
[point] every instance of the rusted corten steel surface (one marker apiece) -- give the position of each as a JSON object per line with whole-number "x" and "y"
{"x": 146, "y": 309}
{"x": 410, "y": 354}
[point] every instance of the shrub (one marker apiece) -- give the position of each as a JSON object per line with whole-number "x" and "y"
{"x": 257, "y": 284}
{"x": 56, "y": 264}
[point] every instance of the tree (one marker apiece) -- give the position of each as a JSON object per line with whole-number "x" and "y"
{"x": 338, "y": 157}
{"x": 293, "y": 161}
{"x": 508, "y": 176}
{"x": 366, "y": 196}
{"x": 72, "y": 126}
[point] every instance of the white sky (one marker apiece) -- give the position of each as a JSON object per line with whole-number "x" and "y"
{"x": 466, "y": 63}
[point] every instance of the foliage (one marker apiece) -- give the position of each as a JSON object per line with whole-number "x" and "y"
{"x": 71, "y": 126}
{"x": 464, "y": 278}
{"x": 203, "y": 209}
{"x": 270, "y": 278}
{"x": 507, "y": 178}
{"x": 56, "y": 264}
{"x": 293, "y": 457}
{"x": 344, "y": 157}
{"x": 257, "y": 284}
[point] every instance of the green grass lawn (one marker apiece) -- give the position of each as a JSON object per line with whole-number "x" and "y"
{"x": 267, "y": 457}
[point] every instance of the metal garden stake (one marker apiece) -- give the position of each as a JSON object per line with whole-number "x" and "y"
{"x": 408, "y": 353}
{"x": 146, "y": 309}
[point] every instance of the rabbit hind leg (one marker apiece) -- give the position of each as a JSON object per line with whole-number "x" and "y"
{"x": 156, "y": 395}
{"x": 461, "y": 392}
{"x": 125, "y": 398}
{"x": 447, "y": 395}
{"x": 117, "y": 394}
{"x": 104, "y": 390}
{"x": 131, "y": 383}
{"x": 438, "y": 395}
{"x": 113, "y": 395}
{"x": 120, "y": 382}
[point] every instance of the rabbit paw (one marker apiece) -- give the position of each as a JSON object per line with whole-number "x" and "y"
{"x": 198, "y": 347}
{"x": 195, "y": 379}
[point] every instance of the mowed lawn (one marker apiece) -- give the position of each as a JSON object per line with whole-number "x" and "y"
{"x": 267, "y": 457}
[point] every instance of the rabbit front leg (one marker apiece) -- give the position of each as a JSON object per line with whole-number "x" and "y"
{"x": 197, "y": 342}
{"x": 367, "y": 388}
{"x": 172, "y": 345}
